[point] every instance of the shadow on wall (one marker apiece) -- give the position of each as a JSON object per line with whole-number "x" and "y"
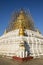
{"x": 27, "y": 48}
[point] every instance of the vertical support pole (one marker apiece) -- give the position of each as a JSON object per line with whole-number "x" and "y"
{"x": 20, "y": 55}
{"x": 37, "y": 48}
{"x": 26, "y": 53}
{"x": 23, "y": 54}
{"x": 33, "y": 47}
{"x": 40, "y": 47}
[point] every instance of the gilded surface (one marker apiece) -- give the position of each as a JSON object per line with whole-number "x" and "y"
{"x": 22, "y": 20}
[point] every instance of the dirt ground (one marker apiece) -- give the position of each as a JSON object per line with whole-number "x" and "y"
{"x": 7, "y": 61}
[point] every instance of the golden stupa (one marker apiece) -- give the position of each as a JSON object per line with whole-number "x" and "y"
{"x": 21, "y": 21}
{"x": 21, "y": 40}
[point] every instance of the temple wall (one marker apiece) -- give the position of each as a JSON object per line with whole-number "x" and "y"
{"x": 33, "y": 44}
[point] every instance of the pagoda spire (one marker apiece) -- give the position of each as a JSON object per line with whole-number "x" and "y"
{"x": 21, "y": 21}
{"x": 5, "y": 31}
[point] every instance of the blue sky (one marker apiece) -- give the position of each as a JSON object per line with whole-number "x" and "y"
{"x": 8, "y": 6}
